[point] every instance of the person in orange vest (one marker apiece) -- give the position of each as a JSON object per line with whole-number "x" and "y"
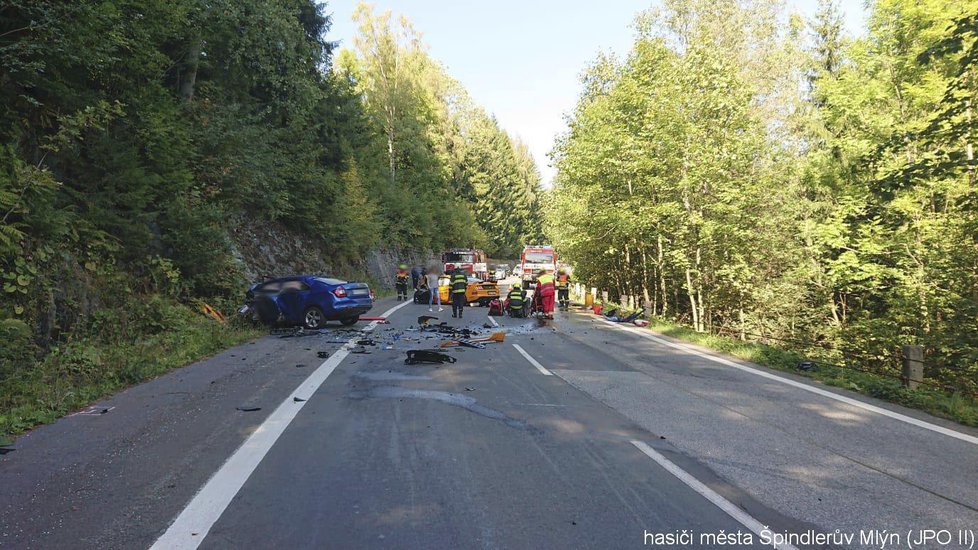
{"x": 545, "y": 286}
{"x": 563, "y": 289}
{"x": 401, "y": 282}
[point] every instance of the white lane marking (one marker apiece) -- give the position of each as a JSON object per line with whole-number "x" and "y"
{"x": 730, "y": 508}
{"x": 800, "y": 385}
{"x": 196, "y": 519}
{"x": 532, "y": 361}
{"x": 493, "y": 321}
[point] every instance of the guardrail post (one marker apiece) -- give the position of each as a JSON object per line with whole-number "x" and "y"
{"x": 913, "y": 366}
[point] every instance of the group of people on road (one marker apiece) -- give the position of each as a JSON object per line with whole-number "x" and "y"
{"x": 426, "y": 280}
{"x": 548, "y": 288}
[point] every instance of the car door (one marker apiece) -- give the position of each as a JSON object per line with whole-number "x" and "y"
{"x": 292, "y": 300}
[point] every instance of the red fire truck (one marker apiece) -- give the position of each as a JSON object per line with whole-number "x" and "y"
{"x": 535, "y": 258}
{"x": 472, "y": 260}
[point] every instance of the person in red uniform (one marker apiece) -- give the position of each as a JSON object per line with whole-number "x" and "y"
{"x": 547, "y": 290}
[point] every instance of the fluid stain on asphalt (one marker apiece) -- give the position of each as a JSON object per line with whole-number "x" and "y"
{"x": 389, "y": 376}
{"x": 449, "y": 398}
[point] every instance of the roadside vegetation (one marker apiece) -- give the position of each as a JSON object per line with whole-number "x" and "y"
{"x": 133, "y": 133}
{"x": 833, "y": 371}
{"x": 745, "y": 172}
{"x": 113, "y": 353}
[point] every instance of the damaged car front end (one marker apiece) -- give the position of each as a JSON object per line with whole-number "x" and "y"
{"x": 309, "y": 301}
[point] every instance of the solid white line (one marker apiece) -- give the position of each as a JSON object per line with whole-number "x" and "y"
{"x": 493, "y": 321}
{"x": 800, "y": 385}
{"x": 193, "y": 523}
{"x": 730, "y": 508}
{"x": 532, "y": 361}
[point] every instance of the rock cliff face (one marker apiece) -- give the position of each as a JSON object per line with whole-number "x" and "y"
{"x": 264, "y": 250}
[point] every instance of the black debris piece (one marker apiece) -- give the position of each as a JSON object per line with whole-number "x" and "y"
{"x": 359, "y": 349}
{"x": 297, "y": 400}
{"x": 423, "y": 320}
{"x": 366, "y": 342}
{"x": 805, "y": 365}
{"x": 486, "y": 325}
{"x": 300, "y": 366}
{"x": 469, "y": 389}
{"x": 5, "y": 450}
{"x": 471, "y": 344}
{"x": 416, "y": 356}
{"x": 248, "y": 409}
{"x": 323, "y": 354}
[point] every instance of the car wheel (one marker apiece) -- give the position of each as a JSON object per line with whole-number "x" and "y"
{"x": 349, "y": 321}
{"x": 314, "y": 318}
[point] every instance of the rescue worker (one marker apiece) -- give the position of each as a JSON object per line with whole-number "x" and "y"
{"x": 563, "y": 289}
{"x": 516, "y": 301}
{"x": 546, "y": 289}
{"x": 401, "y": 282}
{"x": 459, "y": 283}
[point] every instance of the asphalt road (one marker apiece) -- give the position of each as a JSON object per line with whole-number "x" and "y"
{"x": 571, "y": 434}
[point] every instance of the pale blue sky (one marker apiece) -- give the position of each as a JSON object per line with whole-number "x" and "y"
{"x": 521, "y": 59}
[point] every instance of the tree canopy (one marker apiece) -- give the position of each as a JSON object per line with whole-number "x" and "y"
{"x": 750, "y": 172}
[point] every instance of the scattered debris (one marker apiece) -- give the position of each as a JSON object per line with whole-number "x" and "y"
{"x": 366, "y": 342}
{"x": 297, "y": 400}
{"x": 416, "y": 356}
{"x": 323, "y": 355}
{"x": 469, "y": 389}
{"x": 92, "y": 411}
{"x": 248, "y": 409}
{"x": 486, "y": 325}
{"x": 300, "y": 366}
{"x": 425, "y": 319}
{"x": 466, "y": 343}
{"x": 388, "y": 347}
{"x": 359, "y": 349}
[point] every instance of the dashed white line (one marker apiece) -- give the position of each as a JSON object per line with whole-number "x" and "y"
{"x": 197, "y": 518}
{"x": 532, "y": 361}
{"x": 800, "y": 385}
{"x": 730, "y": 508}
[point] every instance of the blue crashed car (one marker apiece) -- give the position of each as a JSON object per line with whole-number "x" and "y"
{"x": 308, "y": 300}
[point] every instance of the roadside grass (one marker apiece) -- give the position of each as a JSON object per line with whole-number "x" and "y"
{"x": 953, "y": 406}
{"x": 83, "y": 370}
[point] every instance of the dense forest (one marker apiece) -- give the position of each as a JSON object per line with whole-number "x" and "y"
{"x": 751, "y": 173}
{"x": 135, "y": 135}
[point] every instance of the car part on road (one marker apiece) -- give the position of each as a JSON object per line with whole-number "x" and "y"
{"x": 416, "y": 356}
{"x": 248, "y": 409}
{"x": 423, "y": 320}
{"x": 366, "y": 342}
{"x": 465, "y": 343}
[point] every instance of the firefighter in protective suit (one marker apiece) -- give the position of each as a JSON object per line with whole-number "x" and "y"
{"x": 401, "y": 282}
{"x": 563, "y": 289}
{"x": 459, "y": 283}
{"x": 516, "y": 301}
